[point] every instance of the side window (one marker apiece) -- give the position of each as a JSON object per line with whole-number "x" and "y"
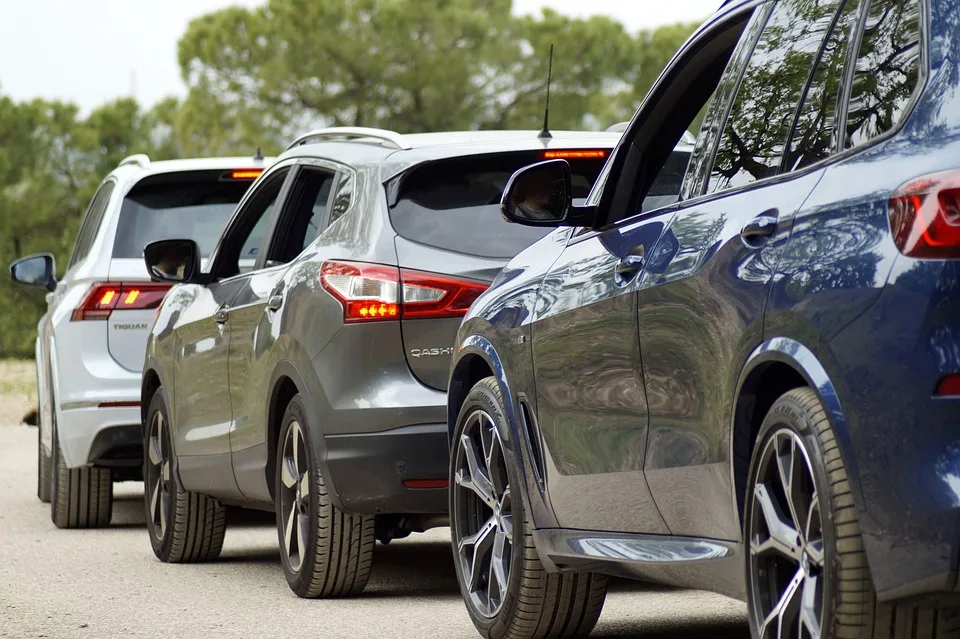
{"x": 304, "y": 215}
{"x": 342, "y": 198}
{"x": 248, "y": 234}
{"x": 715, "y": 110}
{"x": 815, "y": 134}
{"x": 753, "y": 141}
{"x": 887, "y": 71}
{"x": 91, "y": 222}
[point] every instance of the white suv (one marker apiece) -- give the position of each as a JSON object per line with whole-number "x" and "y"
{"x": 92, "y": 339}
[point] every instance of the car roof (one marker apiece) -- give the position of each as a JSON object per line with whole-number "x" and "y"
{"x": 418, "y": 148}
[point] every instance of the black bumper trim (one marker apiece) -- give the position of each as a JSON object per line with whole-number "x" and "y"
{"x": 117, "y": 447}
{"x": 367, "y": 471}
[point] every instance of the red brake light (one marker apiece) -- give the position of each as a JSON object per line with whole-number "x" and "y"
{"x": 575, "y": 154}
{"x": 106, "y": 297}
{"x": 949, "y": 386}
{"x": 245, "y": 174}
{"x": 925, "y": 216}
{"x": 428, "y": 295}
{"x": 373, "y": 292}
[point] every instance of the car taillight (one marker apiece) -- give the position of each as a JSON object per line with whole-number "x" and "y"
{"x": 106, "y": 297}
{"x": 373, "y": 292}
{"x": 925, "y": 216}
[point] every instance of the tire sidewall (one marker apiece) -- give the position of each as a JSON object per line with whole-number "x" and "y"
{"x": 161, "y": 547}
{"x": 298, "y": 579}
{"x": 482, "y": 398}
{"x": 787, "y": 412}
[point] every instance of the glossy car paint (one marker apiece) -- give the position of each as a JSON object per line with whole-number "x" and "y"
{"x": 828, "y": 302}
{"x": 377, "y": 418}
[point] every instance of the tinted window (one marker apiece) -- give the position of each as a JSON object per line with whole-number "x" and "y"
{"x": 888, "y": 69}
{"x": 91, "y": 222}
{"x": 304, "y": 214}
{"x": 253, "y": 221}
{"x": 194, "y": 206}
{"x": 455, "y": 204}
{"x": 814, "y": 136}
{"x": 753, "y": 142}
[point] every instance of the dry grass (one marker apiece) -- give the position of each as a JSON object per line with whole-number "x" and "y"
{"x": 18, "y": 390}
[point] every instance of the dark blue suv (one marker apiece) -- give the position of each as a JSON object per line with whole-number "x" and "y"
{"x": 750, "y": 384}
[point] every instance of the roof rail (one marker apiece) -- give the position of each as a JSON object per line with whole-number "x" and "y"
{"x": 346, "y": 132}
{"x": 140, "y": 159}
{"x": 619, "y": 127}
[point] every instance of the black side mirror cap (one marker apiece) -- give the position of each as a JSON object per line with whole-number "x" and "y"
{"x": 541, "y": 195}
{"x": 35, "y": 270}
{"x": 176, "y": 261}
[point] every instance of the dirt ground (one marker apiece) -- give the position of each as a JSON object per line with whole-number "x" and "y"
{"x": 18, "y": 390}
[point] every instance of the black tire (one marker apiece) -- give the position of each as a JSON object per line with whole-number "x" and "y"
{"x": 183, "y": 526}
{"x": 329, "y": 553}
{"x": 79, "y": 497}
{"x": 43, "y": 471}
{"x": 534, "y": 603}
{"x": 844, "y": 601}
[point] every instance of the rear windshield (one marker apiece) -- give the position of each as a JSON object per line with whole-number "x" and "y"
{"x": 194, "y": 206}
{"x": 455, "y": 204}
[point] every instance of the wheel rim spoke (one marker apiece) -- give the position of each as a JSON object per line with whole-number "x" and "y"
{"x": 156, "y": 454}
{"x": 497, "y": 579}
{"x": 809, "y": 615}
{"x": 305, "y": 489}
{"x": 295, "y": 446}
{"x": 791, "y": 470}
{"x": 473, "y": 548}
{"x": 783, "y": 614}
{"x": 157, "y": 477}
{"x": 475, "y": 478}
{"x": 155, "y": 510}
{"x": 782, "y": 537}
{"x": 288, "y": 472}
{"x": 288, "y": 538}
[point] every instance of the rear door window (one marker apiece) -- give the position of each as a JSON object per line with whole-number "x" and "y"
{"x": 454, "y": 204}
{"x": 762, "y": 116}
{"x": 194, "y": 206}
{"x": 887, "y": 72}
{"x": 91, "y": 222}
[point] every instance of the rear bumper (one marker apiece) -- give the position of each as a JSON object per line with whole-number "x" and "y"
{"x": 368, "y": 471}
{"x": 92, "y": 434}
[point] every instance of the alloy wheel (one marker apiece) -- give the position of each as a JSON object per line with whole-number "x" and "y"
{"x": 158, "y": 475}
{"x": 294, "y": 496}
{"x": 483, "y": 514}
{"x": 786, "y": 567}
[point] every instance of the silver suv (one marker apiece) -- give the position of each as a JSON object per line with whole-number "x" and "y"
{"x": 313, "y": 381}
{"x": 91, "y": 340}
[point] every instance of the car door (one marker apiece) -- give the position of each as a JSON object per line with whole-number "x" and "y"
{"x": 701, "y": 313}
{"x": 590, "y": 399}
{"x": 203, "y": 412}
{"x": 252, "y": 318}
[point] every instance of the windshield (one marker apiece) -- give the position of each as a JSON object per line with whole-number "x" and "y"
{"x": 194, "y": 206}
{"x": 455, "y": 204}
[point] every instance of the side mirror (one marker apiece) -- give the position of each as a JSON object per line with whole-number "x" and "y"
{"x": 541, "y": 195}
{"x": 35, "y": 270}
{"x": 172, "y": 260}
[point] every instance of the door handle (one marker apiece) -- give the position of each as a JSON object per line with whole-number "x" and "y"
{"x": 275, "y": 302}
{"x": 629, "y": 265}
{"x": 220, "y": 316}
{"x": 760, "y": 228}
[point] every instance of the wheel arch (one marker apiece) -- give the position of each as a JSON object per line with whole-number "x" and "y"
{"x": 285, "y": 384}
{"x": 149, "y": 385}
{"x": 477, "y": 358}
{"x": 773, "y": 368}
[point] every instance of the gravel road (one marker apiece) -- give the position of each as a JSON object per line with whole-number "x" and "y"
{"x": 106, "y": 583}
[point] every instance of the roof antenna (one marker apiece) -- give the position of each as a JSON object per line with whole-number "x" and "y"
{"x": 545, "y": 133}
{"x": 259, "y": 156}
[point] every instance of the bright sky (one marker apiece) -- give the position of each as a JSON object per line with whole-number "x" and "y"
{"x": 95, "y": 50}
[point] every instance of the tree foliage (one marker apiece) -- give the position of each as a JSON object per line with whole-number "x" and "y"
{"x": 256, "y": 77}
